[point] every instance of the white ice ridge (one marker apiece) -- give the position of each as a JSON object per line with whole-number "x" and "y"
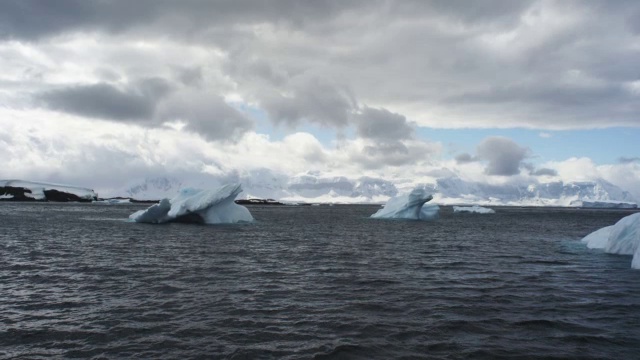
{"x": 409, "y": 206}
{"x": 623, "y": 238}
{"x": 201, "y": 206}
{"x": 473, "y": 209}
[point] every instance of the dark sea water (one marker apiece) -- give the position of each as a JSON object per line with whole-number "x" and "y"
{"x": 78, "y": 281}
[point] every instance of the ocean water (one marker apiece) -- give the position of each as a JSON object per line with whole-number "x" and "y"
{"x": 78, "y": 281}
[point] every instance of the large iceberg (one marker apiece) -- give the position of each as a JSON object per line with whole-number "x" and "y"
{"x": 199, "y": 206}
{"x": 623, "y": 238}
{"x": 409, "y": 206}
{"x": 473, "y": 209}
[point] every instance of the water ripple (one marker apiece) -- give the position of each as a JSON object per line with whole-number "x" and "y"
{"x": 312, "y": 283}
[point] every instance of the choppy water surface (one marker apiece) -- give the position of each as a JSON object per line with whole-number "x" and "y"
{"x": 77, "y": 281}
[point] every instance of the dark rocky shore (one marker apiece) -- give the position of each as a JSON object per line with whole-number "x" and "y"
{"x": 23, "y": 194}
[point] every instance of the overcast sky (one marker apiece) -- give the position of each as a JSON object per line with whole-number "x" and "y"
{"x": 104, "y": 93}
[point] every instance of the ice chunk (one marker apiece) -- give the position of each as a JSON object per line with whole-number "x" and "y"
{"x": 409, "y": 206}
{"x": 598, "y": 239}
{"x": 473, "y": 209}
{"x": 113, "y": 201}
{"x": 203, "y": 206}
{"x": 623, "y": 238}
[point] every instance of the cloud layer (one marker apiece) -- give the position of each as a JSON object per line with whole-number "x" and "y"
{"x": 539, "y": 64}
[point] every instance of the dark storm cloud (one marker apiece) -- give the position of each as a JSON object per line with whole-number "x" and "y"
{"x": 151, "y": 102}
{"x": 535, "y": 64}
{"x": 465, "y": 158}
{"x": 207, "y": 115}
{"x": 382, "y": 125}
{"x": 503, "y": 155}
{"x": 190, "y": 76}
{"x": 36, "y": 19}
{"x": 544, "y": 172}
{"x": 106, "y": 101}
{"x": 311, "y": 100}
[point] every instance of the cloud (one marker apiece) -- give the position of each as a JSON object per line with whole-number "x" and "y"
{"x": 628, "y": 160}
{"x": 534, "y": 64}
{"x": 312, "y": 100}
{"x": 544, "y": 172}
{"x": 465, "y": 158}
{"x": 151, "y": 102}
{"x": 191, "y": 76}
{"x": 372, "y": 155}
{"x": 107, "y": 101}
{"x": 382, "y": 125}
{"x": 37, "y": 19}
{"x": 504, "y": 156}
{"x": 205, "y": 114}
{"x": 386, "y": 138}
{"x": 576, "y": 169}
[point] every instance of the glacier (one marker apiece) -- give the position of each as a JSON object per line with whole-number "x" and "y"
{"x": 623, "y": 238}
{"x": 200, "y": 206}
{"x": 409, "y": 206}
{"x": 473, "y": 209}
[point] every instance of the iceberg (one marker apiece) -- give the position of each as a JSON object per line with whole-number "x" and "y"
{"x": 473, "y": 209}
{"x": 113, "y": 201}
{"x": 623, "y": 238}
{"x": 199, "y": 206}
{"x": 409, "y": 206}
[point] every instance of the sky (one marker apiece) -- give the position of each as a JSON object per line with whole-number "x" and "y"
{"x": 106, "y": 93}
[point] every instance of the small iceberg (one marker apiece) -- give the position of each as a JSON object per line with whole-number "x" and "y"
{"x": 473, "y": 209}
{"x": 197, "y": 206}
{"x": 409, "y": 206}
{"x": 623, "y": 238}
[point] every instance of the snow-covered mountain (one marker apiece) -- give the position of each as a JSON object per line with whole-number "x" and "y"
{"x": 455, "y": 190}
{"x": 306, "y": 187}
{"x": 21, "y": 190}
{"x": 315, "y": 187}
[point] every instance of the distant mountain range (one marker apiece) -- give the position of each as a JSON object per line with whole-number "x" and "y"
{"x": 314, "y": 187}
{"x": 455, "y": 190}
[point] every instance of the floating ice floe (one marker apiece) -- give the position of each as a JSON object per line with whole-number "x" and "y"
{"x": 114, "y": 201}
{"x": 199, "y": 206}
{"x": 473, "y": 209}
{"x": 409, "y": 206}
{"x": 623, "y": 238}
